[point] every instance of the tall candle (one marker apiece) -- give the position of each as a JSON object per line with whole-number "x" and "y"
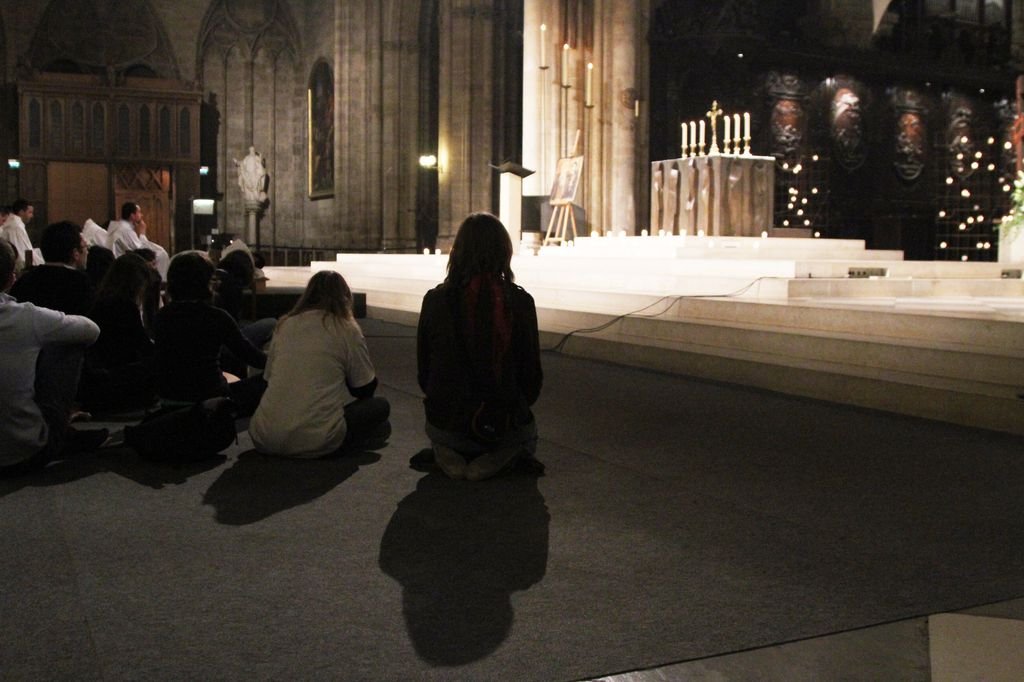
{"x": 543, "y": 46}
{"x": 693, "y": 134}
{"x": 588, "y": 98}
{"x": 682, "y": 126}
{"x": 701, "y": 128}
{"x": 726, "y": 135}
{"x": 739, "y": 132}
{"x": 746, "y": 125}
{"x": 636, "y": 108}
{"x": 565, "y": 65}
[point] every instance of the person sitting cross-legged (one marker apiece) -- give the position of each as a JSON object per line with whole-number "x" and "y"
{"x": 317, "y": 349}
{"x": 189, "y": 334}
{"x": 39, "y": 373}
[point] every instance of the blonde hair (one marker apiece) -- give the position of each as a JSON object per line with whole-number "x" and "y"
{"x": 328, "y": 291}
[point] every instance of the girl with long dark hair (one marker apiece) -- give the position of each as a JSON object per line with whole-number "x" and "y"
{"x": 478, "y": 357}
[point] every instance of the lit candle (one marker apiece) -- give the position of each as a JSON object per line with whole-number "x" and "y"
{"x": 746, "y": 125}
{"x": 565, "y": 65}
{"x": 726, "y": 136}
{"x": 683, "y": 128}
{"x": 588, "y": 98}
{"x": 543, "y": 46}
{"x": 700, "y": 127}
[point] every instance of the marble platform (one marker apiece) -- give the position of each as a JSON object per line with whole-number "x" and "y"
{"x": 939, "y": 340}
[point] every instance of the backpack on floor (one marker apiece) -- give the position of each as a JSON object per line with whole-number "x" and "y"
{"x": 184, "y": 434}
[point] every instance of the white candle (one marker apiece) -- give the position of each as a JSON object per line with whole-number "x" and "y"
{"x": 683, "y": 145}
{"x": 746, "y": 125}
{"x": 588, "y": 98}
{"x": 739, "y": 131}
{"x": 544, "y": 46}
{"x": 693, "y": 134}
{"x": 636, "y": 108}
{"x": 726, "y": 135}
{"x": 565, "y": 65}
{"x": 701, "y": 129}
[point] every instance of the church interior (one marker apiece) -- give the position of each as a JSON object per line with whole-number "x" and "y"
{"x": 781, "y": 305}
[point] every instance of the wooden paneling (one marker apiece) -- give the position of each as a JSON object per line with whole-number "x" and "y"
{"x": 76, "y": 191}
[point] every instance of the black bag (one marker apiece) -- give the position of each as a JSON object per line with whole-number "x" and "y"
{"x": 490, "y": 423}
{"x": 184, "y": 434}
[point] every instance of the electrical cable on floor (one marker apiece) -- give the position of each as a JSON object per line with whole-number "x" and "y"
{"x": 560, "y": 346}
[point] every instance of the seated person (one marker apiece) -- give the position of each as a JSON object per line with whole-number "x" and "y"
{"x": 94, "y": 234}
{"x": 233, "y": 277}
{"x": 99, "y": 261}
{"x": 478, "y": 357}
{"x": 317, "y": 349}
{"x": 119, "y": 371}
{"x": 60, "y": 283}
{"x": 39, "y": 372}
{"x": 153, "y": 299}
{"x": 190, "y": 332}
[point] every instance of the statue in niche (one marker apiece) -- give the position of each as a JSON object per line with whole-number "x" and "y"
{"x": 960, "y": 134}
{"x": 911, "y": 134}
{"x": 252, "y": 176}
{"x": 847, "y": 128}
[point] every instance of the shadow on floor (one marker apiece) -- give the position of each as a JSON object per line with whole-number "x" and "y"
{"x": 459, "y": 550}
{"x": 258, "y": 486}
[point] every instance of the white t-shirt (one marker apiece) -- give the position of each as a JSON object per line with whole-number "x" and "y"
{"x": 302, "y": 412}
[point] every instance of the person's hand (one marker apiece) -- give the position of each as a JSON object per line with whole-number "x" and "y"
{"x": 140, "y": 227}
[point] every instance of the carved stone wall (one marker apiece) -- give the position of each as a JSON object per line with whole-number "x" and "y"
{"x": 254, "y": 88}
{"x": 91, "y": 37}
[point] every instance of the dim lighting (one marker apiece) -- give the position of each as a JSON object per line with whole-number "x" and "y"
{"x": 963, "y": 139}
{"x": 942, "y": 214}
{"x": 1006, "y": 188}
{"x": 974, "y": 165}
{"x": 1007, "y": 145}
{"x": 962, "y": 226}
{"x": 977, "y": 155}
{"x": 942, "y": 245}
{"x": 965, "y": 193}
{"x": 991, "y": 140}
{"x": 949, "y": 181}
{"x": 807, "y": 223}
{"x": 817, "y": 234}
{"x": 785, "y": 223}
{"x": 814, "y": 158}
{"x": 814, "y": 190}
{"x": 963, "y": 257}
{"x": 204, "y": 171}
{"x": 804, "y": 200}
{"x": 991, "y": 167}
{"x": 797, "y": 168}
{"x": 970, "y": 220}
{"x": 13, "y": 164}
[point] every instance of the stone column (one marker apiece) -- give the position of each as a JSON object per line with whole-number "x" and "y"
{"x": 466, "y": 112}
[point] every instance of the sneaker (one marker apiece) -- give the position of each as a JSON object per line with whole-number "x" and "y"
{"x": 452, "y": 463}
{"x": 492, "y": 463}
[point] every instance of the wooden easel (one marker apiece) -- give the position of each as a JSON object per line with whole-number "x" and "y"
{"x": 563, "y": 217}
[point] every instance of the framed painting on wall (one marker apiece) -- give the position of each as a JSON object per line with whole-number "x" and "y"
{"x": 320, "y": 108}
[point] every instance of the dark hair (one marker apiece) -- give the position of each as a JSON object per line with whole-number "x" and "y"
{"x": 60, "y": 241}
{"x": 128, "y": 276}
{"x": 239, "y": 265}
{"x": 188, "y": 277}
{"x": 328, "y": 291}
{"x": 127, "y": 209}
{"x": 20, "y": 205}
{"x": 8, "y": 259}
{"x": 258, "y": 260}
{"x": 100, "y": 260}
{"x": 482, "y": 246}
{"x": 146, "y": 254}
{"x": 5, "y": 209}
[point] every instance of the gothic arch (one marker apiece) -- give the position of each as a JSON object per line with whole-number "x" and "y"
{"x": 90, "y": 36}
{"x": 247, "y": 56}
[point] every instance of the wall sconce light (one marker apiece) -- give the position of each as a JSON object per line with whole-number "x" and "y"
{"x": 13, "y": 164}
{"x": 428, "y": 161}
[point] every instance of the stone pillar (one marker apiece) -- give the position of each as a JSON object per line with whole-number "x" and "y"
{"x": 466, "y": 112}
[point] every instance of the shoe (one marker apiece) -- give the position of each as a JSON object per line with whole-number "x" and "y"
{"x": 492, "y": 463}
{"x": 452, "y": 463}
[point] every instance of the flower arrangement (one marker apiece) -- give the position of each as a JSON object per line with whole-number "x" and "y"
{"x": 1013, "y": 221}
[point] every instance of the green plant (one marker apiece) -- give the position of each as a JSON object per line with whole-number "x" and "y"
{"x": 1013, "y": 221}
